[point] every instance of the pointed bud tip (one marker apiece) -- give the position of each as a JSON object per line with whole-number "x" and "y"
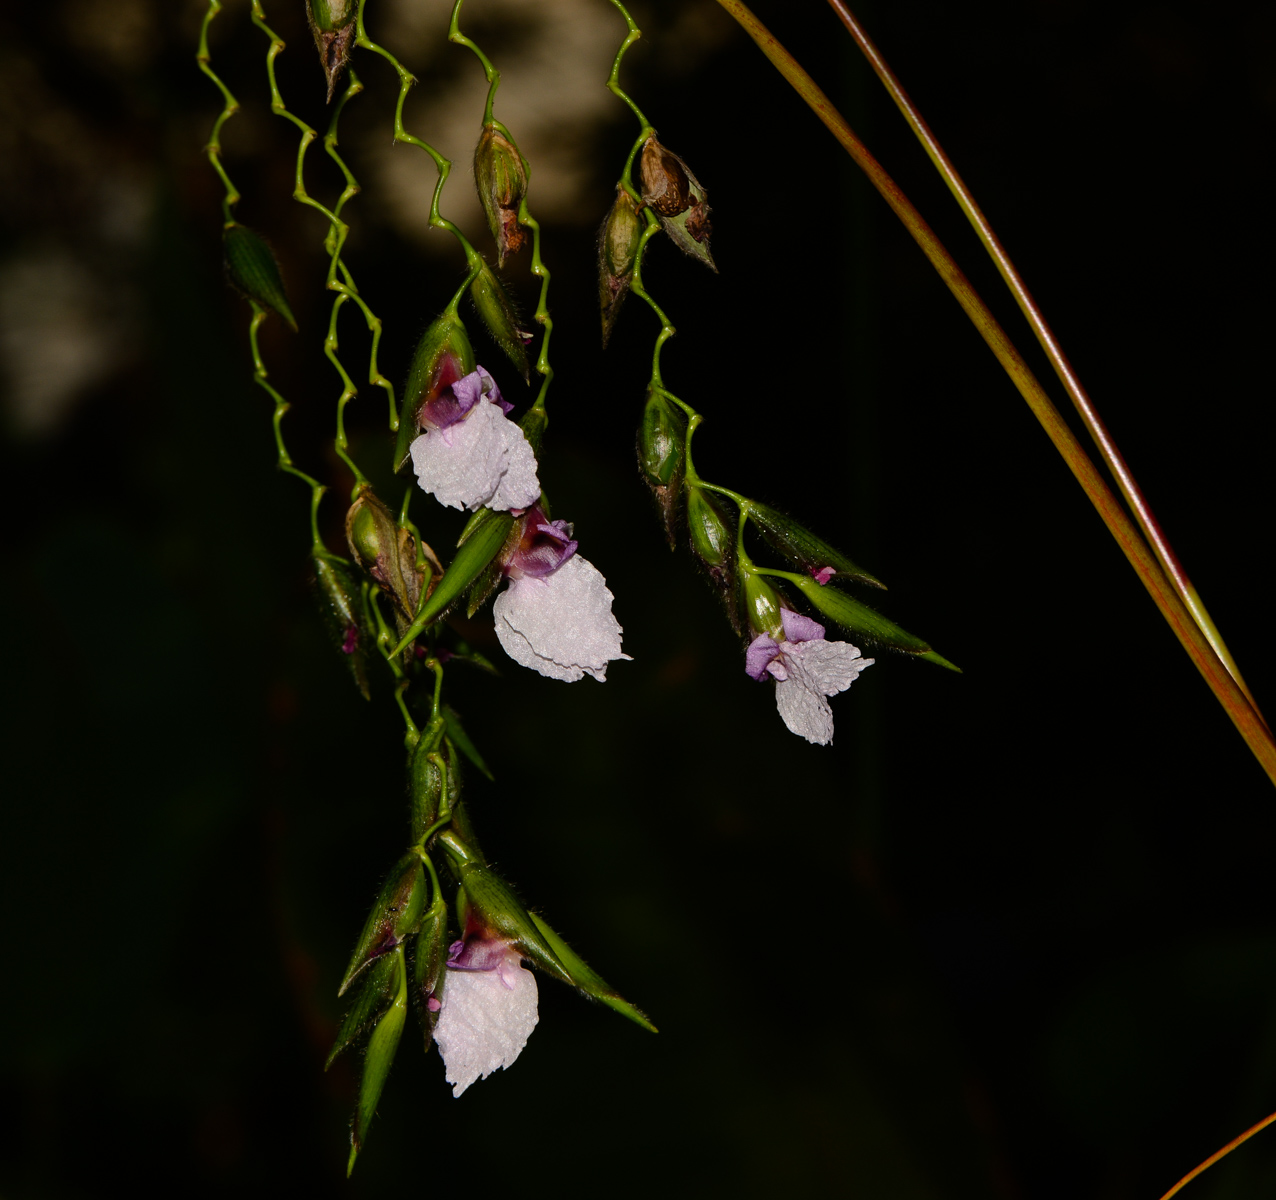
{"x": 940, "y": 661}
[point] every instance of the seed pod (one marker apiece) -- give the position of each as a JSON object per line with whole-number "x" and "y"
{"x": 336, "y": 591}
{"x": 662, "y": 455}
{"x": 496, "y": 309}
{"x": 253, "y": 271}
{"x": 442, "y": 356}
{"x": 388, "y": 554}
{"x": 502, "y": 183}
{"x": 676, "y": 197}
{"x": 617, "y": 248}
{"x": 800, "y": 546}
{"x": 333, "y": 24}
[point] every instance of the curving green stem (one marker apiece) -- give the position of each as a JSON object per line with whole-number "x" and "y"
{"x": 525, "y": 217}
{"x": 442, "y": 165}
{"x": 213, "y": 147}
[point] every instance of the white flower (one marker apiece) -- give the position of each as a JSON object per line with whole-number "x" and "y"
{"x": 471, "y": 454}
{"x": 560, "y": 623}
{"x": 806, "y": 670}
{"x": 488, "y": 1013}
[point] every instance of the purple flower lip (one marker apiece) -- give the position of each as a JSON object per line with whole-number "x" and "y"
{"x": 759, "y": 655}
{"x": 823, "y": 575}
{"x": 545, "y": 546}
{"x": 351, "y": 642}
{"x": 477, "y": 953}
{"x": 455, "y": 400}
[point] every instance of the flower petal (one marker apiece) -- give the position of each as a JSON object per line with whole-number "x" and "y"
{"x": 561, "y": 625}
{"x": 798, "y": 628}
{"x": 804, "y": 711}
{"x": 816, "y": 669}
{"x": 760, "y": 652}
{"x": 486, "y": 1019}
{"x": 484, "y": 459}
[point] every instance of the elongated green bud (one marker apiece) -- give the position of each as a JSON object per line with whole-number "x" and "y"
{"x": 332, "y": 22}
{"x": 662, "y": 455}
{"x": 442, "y": 356}
{"x": 428, "y": 782}
{"x": 253, "y": 270}
{"x": 370, "y": 1002}
{"x": 867, "y": 623}
{"x": 711, "y": 531}
{"x": 378, "y": 1060}
{"x": 677, "y": 199}
{"x": 336, "y": 591}
{"x": 801, "y": 547}
{"x": 429, "y": 959}
{"x": 617, "y": 249}
{"x": 395, "y": 916}
{"x": 762, "y": 607}
{"x": 502, "y": 183}
{"x": 497, "y": 310}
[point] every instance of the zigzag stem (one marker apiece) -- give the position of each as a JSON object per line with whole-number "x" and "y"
{"x": 334, "y": 241}
{"x": 525, "y": 217}
{"x": 1242, "y": 714}
{"x": 213, "y": 150}
{"x": 1102, "y": 438}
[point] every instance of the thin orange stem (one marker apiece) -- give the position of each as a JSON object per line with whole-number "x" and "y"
{"x": 1107, "y": 447}
{"x": 1223, "y": 1153}
{"x": 1249, "y": 724}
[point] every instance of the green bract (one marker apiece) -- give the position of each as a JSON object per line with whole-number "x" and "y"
{"x": 442, "y": 356}
{"x": 495, "y": 307}
{"x": 253, "y": 270}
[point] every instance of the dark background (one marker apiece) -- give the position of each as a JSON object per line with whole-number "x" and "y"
{"x": 1011, "y": 936}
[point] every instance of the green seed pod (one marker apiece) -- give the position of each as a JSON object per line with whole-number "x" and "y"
{"x": 501, "y": 179}
{"x": 617, "y": 249}
{"x": 253, "y": 270}
{"x": 494, "y": 306}
{"x": 389, "y": 554}
{"x": 442, "y": 356}
{"x": 867, "y": 624}
{"x": 801, "y": 547}
{"x": 662, "y": 456}
{"x": 395, "y": 916}
{"x": 762, "y": 607}
{"x": 676, "y": 197}
{"x": 336, "y": 592}
{"x": 332, "y": 22}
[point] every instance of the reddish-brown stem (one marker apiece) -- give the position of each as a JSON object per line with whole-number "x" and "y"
{"x": 1249, "y": 724}
{"x": 1125, "y": 481}
{"x": 1223, "y": 1153}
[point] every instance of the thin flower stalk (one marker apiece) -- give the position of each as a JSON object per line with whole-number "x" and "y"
{"x": 1220, "y": 1154}
{"x": 1102, "y": 437}
{"x": 1203, "y": 655}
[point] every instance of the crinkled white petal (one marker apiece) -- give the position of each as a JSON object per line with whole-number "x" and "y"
{"x": 519, "y": 486}
{"x": 466, "y": 465}
{"x": 561, "y": 625}
{"x": 485, "y": 1021}
{"x": 815, "y": 670}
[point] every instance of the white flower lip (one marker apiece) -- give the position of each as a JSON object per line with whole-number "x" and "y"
{"x": 485, "y": 1020}
{"x": 560, "y": 625}
{"x": 814, "y": 671}
{"x": 483, "y": 459}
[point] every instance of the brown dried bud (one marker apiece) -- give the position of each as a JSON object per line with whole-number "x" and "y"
{"x": 502, "y": 184}
{"x": 389, "y": 554}
{"x": 333, "y": 24}
{"x": 674, "y": 194}
{"x": 617, "y": 248}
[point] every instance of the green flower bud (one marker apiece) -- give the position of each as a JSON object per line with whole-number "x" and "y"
{"x": 662, "y": 455}
{"x": 428, "y": 960}
{"x": 712, "y": 534}
{"x": 762, "y": 607}
{"x": 369, "y": 1004}
{"x": 442, "y": 356}
{"x": 801, "y": 547}
{"x": 497, "y": 310}
{"x": 395, "y": 916}
{"x": 617, "y": 249}
{"x": 867, "y": 624}
{"x": 502, "y": 183}
{"x": 389, "y": 554}
{"x": 336, "y": 591}
{"x": 426, "y": 779}
{"x": 378, "y": 1059}
{"x": 332, "y": 22}
{"x": 253, "y": 270}
{"x": 676, "y": 197}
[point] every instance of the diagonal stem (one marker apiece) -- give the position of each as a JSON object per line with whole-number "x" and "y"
{"x": 1125, "y": 481}
{"x": 1249, "y": 724}
{"x": 1218, "y": 1154}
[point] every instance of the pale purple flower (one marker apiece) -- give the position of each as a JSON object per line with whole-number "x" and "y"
{"x": 470, "y": 454}
{"x": 555, "y": 616}
{"x": 806, "y": 669}
{"x": 487, "y": 1011}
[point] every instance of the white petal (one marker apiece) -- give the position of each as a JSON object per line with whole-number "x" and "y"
{"x": 484, "y": 459}
{"x": 816, "y": 669}
{"x": 561, "y": 625}
{"x": 485, "y": 1021}
{"x": 519, "y": 486}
